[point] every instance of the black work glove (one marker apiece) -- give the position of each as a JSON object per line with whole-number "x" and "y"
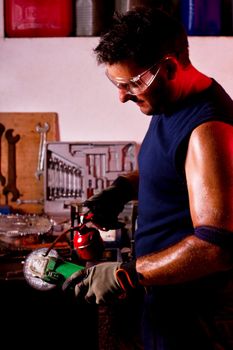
{"x": 109, "y": 203}
{"x": 103, "y": 282}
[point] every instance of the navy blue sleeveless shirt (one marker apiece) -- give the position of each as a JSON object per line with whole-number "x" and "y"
{"x": 163, "y": 203}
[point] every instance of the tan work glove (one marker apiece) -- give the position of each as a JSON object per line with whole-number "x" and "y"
{"x": 103, "y": 282}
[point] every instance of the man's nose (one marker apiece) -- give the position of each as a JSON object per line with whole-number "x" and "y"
{"x": 124, "y": 96}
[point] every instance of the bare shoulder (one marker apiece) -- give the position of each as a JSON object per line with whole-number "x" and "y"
{"x": 209, "y": 173}
{"x": 212, "y": 130}
{"x": 213, "y": 136}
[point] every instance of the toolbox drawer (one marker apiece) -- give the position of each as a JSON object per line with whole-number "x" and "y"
{"x": 76, "y": 170}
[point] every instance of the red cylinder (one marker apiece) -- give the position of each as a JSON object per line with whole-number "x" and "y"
{"x": 43, "y": 18}
{"x": 89, "y": 245}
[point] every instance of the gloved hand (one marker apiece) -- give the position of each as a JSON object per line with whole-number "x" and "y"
{"x": 103, "y": 282}
{"x": 107, "y": 205}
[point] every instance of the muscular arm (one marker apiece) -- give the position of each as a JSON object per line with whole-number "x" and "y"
{"x": 209, "y": 174}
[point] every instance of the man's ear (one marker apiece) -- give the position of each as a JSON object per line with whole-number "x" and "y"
{"x": 171, "y": 67}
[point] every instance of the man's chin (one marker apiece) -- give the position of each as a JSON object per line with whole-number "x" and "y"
{"x": 147, "y": 111}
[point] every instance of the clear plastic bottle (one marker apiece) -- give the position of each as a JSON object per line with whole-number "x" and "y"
{"x": 123, "y": 6}
{"x": 170, "y": 6}
{"x": 89, "y": 17}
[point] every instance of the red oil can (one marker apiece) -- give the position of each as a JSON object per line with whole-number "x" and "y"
{"x": 38, "y": 18}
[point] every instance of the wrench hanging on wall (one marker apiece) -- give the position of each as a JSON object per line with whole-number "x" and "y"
{"x": 2, "y": 178}
{"x": 42, "y": 130}
{"x": 11, "y": 184}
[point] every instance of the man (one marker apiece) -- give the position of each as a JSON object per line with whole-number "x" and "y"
{"x": 184, "y": 238}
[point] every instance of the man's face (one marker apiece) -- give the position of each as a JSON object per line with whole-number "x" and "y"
{"x": 149, "y": 88}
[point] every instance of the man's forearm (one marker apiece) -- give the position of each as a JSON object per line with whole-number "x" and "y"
{"x": 187, "y": 260}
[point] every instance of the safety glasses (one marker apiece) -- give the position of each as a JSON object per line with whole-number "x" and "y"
{"x": 138, "y": 84}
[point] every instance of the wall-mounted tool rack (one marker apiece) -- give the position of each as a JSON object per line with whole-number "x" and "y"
{"x": 76, "y": 170}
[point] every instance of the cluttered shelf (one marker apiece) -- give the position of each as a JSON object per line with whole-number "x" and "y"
{"x": 70, "y": 18}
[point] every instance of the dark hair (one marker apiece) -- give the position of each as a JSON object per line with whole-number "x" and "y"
{"x": 145, "y": 36}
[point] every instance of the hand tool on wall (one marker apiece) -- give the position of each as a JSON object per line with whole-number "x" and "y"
{"x": 29, "y": 201}
{"x": 42, "y": 130}
{"x": 98, "y": 173}
{"x": 128, "y": 157}
{"x": 76, "y": 171}
{"x": 11, "y": 185}
{"x": 2, "y": 178}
